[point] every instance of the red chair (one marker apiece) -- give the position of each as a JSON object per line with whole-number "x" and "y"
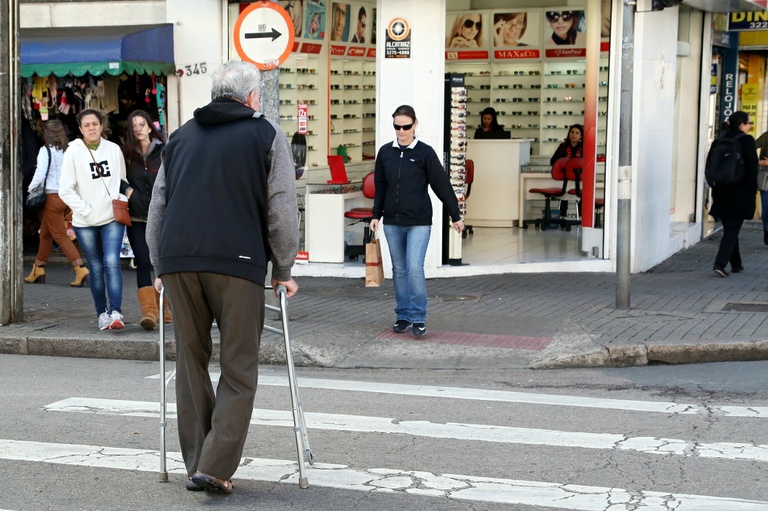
{"x": 558, "y": 174}
{"x": 576, "y": 169}
{"x": 362, "y": 215}
{"x": 469, "y": 178}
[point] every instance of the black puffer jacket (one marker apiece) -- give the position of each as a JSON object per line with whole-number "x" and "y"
{"x": 141, "y": 173}
{"x": 737, "y": 201}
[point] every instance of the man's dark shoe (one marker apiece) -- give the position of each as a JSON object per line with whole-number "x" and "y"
{"x": 401, "y": 325}
{"x": 720, "y": 271}
{"x": 419, "y": 329}
{"x": 737, "y": 269}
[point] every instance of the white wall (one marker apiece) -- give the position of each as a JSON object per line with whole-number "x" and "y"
{"x": 686, "y": 120}
{"x": 417, "y": 81}
{"x": 655, "y": 55}
{"x": 199, "y": 37}
{"x": 88, "y": 14}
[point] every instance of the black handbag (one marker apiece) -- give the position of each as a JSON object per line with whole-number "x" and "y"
{"x": 37, "y": 196}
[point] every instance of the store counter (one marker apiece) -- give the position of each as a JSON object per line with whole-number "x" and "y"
{"x": 494, "y": 199}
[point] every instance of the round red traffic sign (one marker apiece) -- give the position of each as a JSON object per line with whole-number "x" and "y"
{"x": 264, "y": 35}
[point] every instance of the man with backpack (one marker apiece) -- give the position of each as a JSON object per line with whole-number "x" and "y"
{"x": 731, "y": 171}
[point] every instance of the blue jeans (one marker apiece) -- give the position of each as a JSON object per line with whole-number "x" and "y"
{"x": 101, "y": 246}
{"x": 407, "y": 248}
{"x": 764, "y": 208}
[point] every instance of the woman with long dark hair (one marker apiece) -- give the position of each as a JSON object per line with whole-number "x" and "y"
{"x": 142, "y": 151}
{"x": 488, "y": 122}
{"x": 572, "y": 146}
{"x": 733, "y": 203}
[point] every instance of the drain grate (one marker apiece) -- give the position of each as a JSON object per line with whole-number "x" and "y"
{"x": 745, "y": 307}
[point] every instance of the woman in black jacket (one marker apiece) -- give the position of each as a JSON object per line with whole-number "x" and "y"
{"x": 142, "y": 148}
{"x": 405, "y": 170}
{"x": 734, "y": 203}
{"x": 572, "y": 146}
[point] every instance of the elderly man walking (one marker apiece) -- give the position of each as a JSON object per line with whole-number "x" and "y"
{"x": 223, "y": 206}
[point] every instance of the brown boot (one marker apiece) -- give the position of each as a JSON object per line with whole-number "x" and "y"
{"x": 37, "y": 275}
{"x": 166, "y": 307}
{"x": 81, "y": 272}
{"x": 148, "y": 307}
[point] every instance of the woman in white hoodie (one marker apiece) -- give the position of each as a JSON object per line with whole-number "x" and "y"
{"x": 92, "y": 175}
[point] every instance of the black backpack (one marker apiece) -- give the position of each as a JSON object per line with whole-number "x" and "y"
{"x": 725, "y": 164}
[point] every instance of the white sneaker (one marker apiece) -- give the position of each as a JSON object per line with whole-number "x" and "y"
{"x": 116, "y": 321}
{"x": 104, "y": 321}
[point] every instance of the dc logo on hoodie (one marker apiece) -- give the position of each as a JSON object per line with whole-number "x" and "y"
{"x": 100, "y": 170}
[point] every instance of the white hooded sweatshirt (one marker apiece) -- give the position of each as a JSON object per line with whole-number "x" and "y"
{"x": 83, "y": 189}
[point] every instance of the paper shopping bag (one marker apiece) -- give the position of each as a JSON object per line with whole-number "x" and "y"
{"x": 374, "y": 271}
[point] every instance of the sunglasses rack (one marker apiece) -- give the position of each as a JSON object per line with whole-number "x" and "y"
{"x": 353, "y": 108}
{"x": 456, "y": 148}
{"x": 539, "y": 100}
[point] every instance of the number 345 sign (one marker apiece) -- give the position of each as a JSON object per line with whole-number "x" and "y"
{"x": 198, "y": 68}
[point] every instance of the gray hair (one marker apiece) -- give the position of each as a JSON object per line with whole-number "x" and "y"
{"x": 235, "y": 80}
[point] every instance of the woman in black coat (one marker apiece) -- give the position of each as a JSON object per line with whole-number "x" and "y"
{"x": 142, "y": 151}
{"x": 572, "y": 146}
{"x": 734, "y": 203}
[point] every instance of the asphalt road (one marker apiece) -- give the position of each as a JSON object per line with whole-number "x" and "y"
{"x": 83, "y": 434}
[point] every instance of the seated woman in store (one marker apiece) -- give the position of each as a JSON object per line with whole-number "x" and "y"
{"x": 488, "y": 123}
{"x": 572, "y": 147}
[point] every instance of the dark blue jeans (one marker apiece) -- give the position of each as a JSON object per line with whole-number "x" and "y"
{"x": 101, "y": 246}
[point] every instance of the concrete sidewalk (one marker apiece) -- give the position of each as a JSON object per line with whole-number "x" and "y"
{"x": 681, "y": 312}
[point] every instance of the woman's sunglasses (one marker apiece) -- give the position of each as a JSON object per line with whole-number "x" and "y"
{"x": 471, "y": 23}
{"x": 565, "y": 16}
{"x": 404, "y": 127}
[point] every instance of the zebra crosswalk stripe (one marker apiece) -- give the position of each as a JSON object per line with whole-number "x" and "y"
{"x": 454, "y": 431}
{"x": 416, "y": 483}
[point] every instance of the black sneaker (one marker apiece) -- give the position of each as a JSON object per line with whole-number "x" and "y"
{"x": 401, "y": 325}
{"x": 720, "y": 271}
{"x": 419, "y": 329}
{"x": 737, "y": 269}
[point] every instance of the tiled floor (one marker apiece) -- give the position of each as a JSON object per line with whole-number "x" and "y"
{"x": 493, "y": 245}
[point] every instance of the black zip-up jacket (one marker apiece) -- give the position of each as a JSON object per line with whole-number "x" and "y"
{"x": 225, "y": 198}
{"x": 141, "y": 173}
{"x": 402, "y": 177}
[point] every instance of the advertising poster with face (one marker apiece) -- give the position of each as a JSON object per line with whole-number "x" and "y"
{"x": 467, "y": 35}
{"x": 315, "y": 17}
{"x": 340, "y": 21}
{"x": 564, "y": 31}
{"x": 359, "y": 32}
{"x": 295, "y": 9}
{"x": 516, "y": 34}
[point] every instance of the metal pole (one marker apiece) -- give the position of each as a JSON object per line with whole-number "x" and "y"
{"x": 624, "y": 188}
{"x": 11, "y": 260}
